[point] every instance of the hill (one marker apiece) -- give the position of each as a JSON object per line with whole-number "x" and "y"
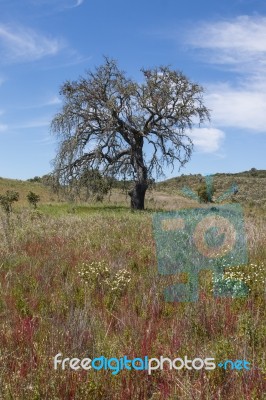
{"x": 167, "y": 194}
{"x": 24, "y": 187}
{"x": 251, "y": 185}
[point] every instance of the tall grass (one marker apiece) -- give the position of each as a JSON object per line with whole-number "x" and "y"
{"x": 46, "y": 307}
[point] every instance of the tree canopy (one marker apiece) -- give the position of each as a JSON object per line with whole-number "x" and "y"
{"x": 124, "y": 128}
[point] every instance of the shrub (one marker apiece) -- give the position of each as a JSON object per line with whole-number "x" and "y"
{"x": 8, "y": 199}
{"x": 33, "y": 199}
{"x": 37, "y": 179}
{"x": 98, "y": 275}
{"x": 205, "y": 196}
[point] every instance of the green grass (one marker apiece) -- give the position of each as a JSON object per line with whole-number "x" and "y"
{"x": 59, "y": 209}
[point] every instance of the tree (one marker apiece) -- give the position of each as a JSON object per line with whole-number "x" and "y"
{"x": 253, "y": 172}
{"x": 107, "y": 118}
{"x": 7, "y": 200}
{"x": 36, "y": 179}
{"x": 90, "y": 184}
{"x": 33, "y": 199}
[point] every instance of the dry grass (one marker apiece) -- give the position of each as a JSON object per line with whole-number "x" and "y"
{"x": 24, "y": 187}
{"x": 154, "y": 200}
{"x": 251, "y": 186}
{"x": 47, "y": 308}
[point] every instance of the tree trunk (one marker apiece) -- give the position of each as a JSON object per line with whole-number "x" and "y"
{"x": 137, "y": 195}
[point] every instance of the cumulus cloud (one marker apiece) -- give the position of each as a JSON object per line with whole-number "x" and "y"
{"x": 20, "y": 44}
{"x": 237, "y": 107}
{"x": 207, "y": 140}
{"x": 238, "y": 44}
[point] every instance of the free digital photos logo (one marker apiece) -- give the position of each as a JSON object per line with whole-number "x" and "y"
{"x": 205, "y": 238}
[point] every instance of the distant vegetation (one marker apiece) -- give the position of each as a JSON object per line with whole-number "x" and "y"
{"x": 37, "y": 179}
{"x": 251, "y": 189}
{"x": 251, "y": 186}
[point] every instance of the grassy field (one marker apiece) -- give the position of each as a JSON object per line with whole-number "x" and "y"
{"x": 82, "y": 280}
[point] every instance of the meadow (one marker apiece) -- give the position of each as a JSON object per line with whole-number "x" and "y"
{"x": 82, "y": 280}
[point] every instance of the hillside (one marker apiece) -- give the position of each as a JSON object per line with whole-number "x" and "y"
{"x": 251, "y": 185}
{"x": 167, "y": 194}
{"x": 24, "y": 187}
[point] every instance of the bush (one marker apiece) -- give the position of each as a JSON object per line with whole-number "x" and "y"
{"x": 8, "y": 199}
{"x": 99, "y": 276}
{"x": 205, "y": 196}
{"x": 37, "y": 179}
{"x": 90, "y": 184}
{"x": 33, "y": 199}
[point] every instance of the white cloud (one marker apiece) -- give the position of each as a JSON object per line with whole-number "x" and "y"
{"x": 238, "y": 44}
{"x": 20, "y": 44}
{"x": 233, "y": 42}
{"x": 207, "y": 140}
{"x": 237, "y": 107}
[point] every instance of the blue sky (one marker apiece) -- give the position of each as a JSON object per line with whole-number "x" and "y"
{"x": 219, "y": 44}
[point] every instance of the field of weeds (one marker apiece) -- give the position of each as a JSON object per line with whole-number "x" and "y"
{"x": 84, "y": 282}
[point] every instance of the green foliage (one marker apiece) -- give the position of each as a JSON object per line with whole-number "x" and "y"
{"x": 37, "y": 179}
{"x": 205, "y": 195}
{"x": 8, "y": 199}
{"x": 51, "y": 181}
{"x": 89, "y": 184}
{"x": 253, "y": 172}
{"x": 33, "y": 198}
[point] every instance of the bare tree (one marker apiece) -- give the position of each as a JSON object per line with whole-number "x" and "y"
{"x": 108, "y": 120}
